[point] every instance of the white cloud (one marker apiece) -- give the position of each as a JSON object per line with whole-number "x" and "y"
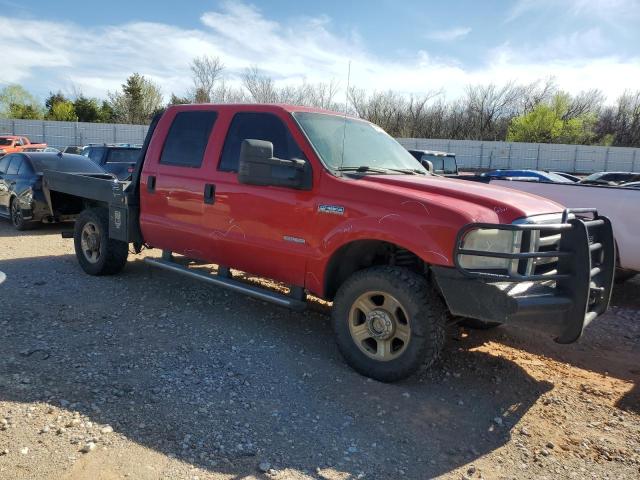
{"x": 599, "y": 9}
{"x": 449, "y": 34}
{"x": 49, "y": 56}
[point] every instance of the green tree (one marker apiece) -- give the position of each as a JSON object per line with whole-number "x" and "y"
{"x": 553, "y": 122}
{"x": 176, "y": 100}
{"x": 87, "y": 109}
{"x": 139, "y": 99}
{"x": 106, "y": 113}
{"x": 62, "y": 111}
{"x": 54, "y": 98}
{"x": 19, "y": 97}
{"x": 24, "y": 112}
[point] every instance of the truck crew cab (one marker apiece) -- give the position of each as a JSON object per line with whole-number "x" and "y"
{"x": 333, "y": 206}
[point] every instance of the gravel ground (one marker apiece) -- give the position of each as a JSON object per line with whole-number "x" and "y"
{"x": 149, "y": 375}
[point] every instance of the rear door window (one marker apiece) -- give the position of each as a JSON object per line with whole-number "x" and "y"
{"x": 25, "y": 169}
{"x": 14, "y": 166}
{"x": 123, "y": 155}
{"x": 4, "y": 163}
{"x": 258, "y": 126}
{"x": 188, "y": 138}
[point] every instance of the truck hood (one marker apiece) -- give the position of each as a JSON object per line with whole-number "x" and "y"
{"x": 506, "y": 203}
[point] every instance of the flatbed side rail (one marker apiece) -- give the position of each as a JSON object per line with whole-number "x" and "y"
{"x": 99, "y": 187}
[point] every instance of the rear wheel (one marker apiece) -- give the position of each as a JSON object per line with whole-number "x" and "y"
{"x": 17, "y": 219}
{"x": 388, "y": 322}
{"x": 96, "y": 252}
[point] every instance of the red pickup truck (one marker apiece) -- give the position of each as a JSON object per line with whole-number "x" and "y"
{"x": 14, "y": 143}
{"x": 333, "y": 206}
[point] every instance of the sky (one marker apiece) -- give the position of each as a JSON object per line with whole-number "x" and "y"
{"x": 410, "y": 46}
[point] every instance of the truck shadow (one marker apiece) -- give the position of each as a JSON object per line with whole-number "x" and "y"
{"x": 610, "y": 346}
{"x": 7, "y": 230}
{"x": 224, "y": 382}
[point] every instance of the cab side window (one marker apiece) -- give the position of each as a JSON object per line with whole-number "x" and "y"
{"x": 188, "y": 138}
{"x": 257, "y": 126}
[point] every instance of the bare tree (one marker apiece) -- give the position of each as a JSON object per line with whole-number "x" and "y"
{"x": 205, "y": 72}
{"x": 261, "y": 87}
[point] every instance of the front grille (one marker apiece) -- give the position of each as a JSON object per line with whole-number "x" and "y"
{"x": 540, "y": 241}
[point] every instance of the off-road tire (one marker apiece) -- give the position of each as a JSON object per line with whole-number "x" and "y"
{"x": 114, "y": 253}
{"x": 18, "y": 222}
{"x": 427, "y": 314}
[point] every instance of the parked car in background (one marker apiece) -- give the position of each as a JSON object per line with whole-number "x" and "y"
{"x": 530, "y": 175}
{"x": 443, "y": 163}
{"x": 119, "y": 159}
{"x": 568, "y": 176}
{"x": 75, "y": 149}
{"x": 619, "y": 204}
{"x": 611, "y": 178}
{"x": 15, "y": 143}
{"x": 40, "y": 149}
{"x": 22, "y": 200}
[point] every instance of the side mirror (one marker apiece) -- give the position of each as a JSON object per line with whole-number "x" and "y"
{"x": 428, "y": 165}
{"x": 257, "y": 166}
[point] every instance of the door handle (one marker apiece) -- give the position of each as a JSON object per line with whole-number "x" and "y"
{"x": 151, "y": 184}
{"x": 209, "y": 193}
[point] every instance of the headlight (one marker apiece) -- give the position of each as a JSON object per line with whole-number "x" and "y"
{"x": 2, "y": 151}
{"x": 490, "y": 240}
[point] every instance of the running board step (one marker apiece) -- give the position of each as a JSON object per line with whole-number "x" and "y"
{"x": 255, "y": 292}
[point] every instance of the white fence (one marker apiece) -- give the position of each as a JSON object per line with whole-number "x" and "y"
{"x": 470, "y": 153}
{"x": 63, "y": 134}
{"x": 568, "y": 158}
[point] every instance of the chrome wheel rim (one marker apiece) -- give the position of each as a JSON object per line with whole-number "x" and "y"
{"x": 16, "y": 213}
{"x": 90, "y": 242}
{"x": 379, "y": 326}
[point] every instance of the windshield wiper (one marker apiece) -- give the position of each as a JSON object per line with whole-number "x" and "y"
{"x": 363, "y": 169}
{"x": 368, "y": 169}
{"x": 410, "y": 171}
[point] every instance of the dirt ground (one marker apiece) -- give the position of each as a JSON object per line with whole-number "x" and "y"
{"x": 148, "y": 375}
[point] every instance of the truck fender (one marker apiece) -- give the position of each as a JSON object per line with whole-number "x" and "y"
{"x": 428, "y": 242}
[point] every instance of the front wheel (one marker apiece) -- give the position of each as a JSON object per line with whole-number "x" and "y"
{"x": 96, "y": 252}
{"x": 388, "y": 322}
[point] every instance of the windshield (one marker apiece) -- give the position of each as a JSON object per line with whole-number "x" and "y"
{"x": 554, "y": 177}
{"x": 595, "y": 176}
{"x": 65, "y": 163}
{"x": 365, "y": 144}
{"x": 5, "y": 141}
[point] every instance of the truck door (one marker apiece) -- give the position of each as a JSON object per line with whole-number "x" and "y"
{"x": 172, "y": 187}
{"x": 259, "y": 229}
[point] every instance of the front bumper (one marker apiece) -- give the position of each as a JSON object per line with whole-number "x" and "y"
{"x": 561, "y": 301}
